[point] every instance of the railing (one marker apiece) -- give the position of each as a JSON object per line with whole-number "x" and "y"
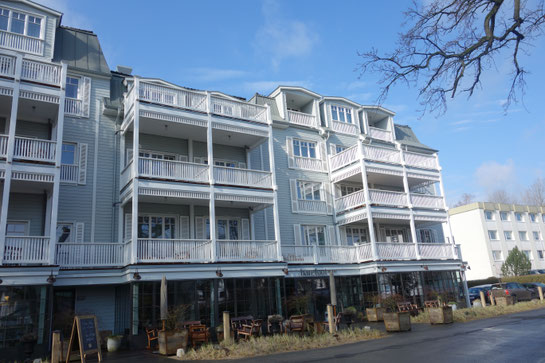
{"x": 238, "y": 109}
{"x": 300, "y": 118}
{"x": 240, "y": 250}
{"x": 69, "y": 173}
{"x": 298, "y": 254}
{"x": 381, "y": 154}
{"x": 396, "y": 251}
{"x": 41, "y": 72}
{"x": 73, "y": 107}
{"x": 435, "y": 251}
{"x": 7, "y": 66}
{"x": 77, "y": 255}
{"x": 365, "y": 252}
{"x": 380, "y": 134}
{"x": 174, "y": 250}
{"x": 308, "y": 163}
{"x": 312, "y": 206}
{"x": 385, "y": 197}
{"x": 172, "y": 97}
{"x": 34, "y": 149}
{"x": 420, "y": 160}
{"x": 350, "y": 201}
{"x": 243, "y": 177}
{"x": 173, "y": 170}
{"x": 21, "y": 42}
{"x": 427, "y": 201}
{"x": 343, "y": 158}
{"x": 126, "y": 174}
{"x": 31, "y": 250}
{"x": 337, "y": 254}
{"x": 3, "y": 145}
{"x": 345, "y": 127}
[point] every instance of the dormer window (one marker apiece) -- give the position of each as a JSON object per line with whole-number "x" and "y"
{"x": 341, "y": 114}
{"x": 20, "y": 23}
{"x": 72, "y": 87}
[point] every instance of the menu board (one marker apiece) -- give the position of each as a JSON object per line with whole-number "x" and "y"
{"x": 85, "y": 330}
{"x": 88, "y": 331}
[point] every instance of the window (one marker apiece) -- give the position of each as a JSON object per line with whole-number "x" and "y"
{"x": 68, "y": 154}
{"x": 349, "y": 189}
{"x": 72, "y": 87}
{"x": 489, "y": 215}
{"x": 313, "y": 235}
{"x": 309, "y": 190}
{"x": 519, "y": 217}
{"x": 158, "y": 156}
{"x": 16, "y": 229}
{"x": 533, "y": 217}
{"x": 4, "y": 18}
{"x": 493, "y": 235}
{"x": 17, "y": 23}
{"x": 540, "y": 254}
{"x": 228, "y": 228}
{"x": 427, "y": 235}
{"x": 497, "y": 255}
{"x": 305, "y": 149}
{"x": 20, "y": 23}
{"x": 395, "y": 235}
{"x": 33, "y": 26}
{"x": 523, "y": 235}
{"x": 340, "y": 148}
{"x": 537, "y": 235}
{"x": 226, "y": 163}
{"x": 156, "y": 227}
{"x": 504, "y": 216}
{"x": 64, "y": 232}
{"x": 356, "y": 235}
{"x": 341, "y": 114}
{"x": 508, "y": 235}
{"x": 528, "y": 254}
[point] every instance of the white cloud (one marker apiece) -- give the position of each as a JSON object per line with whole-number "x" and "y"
{"x": 70, "y": 17}
{"x": 461, "y": 122}
{"x": 266, "y": 87}
{"x": 355, "y": 85}
{"x": 492, "y": 175}
{"x": 216, "y": 74}
{"x": 360, "y": 97}
{"x": 283, "y": 38}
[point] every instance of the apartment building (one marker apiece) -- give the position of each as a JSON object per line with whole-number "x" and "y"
{"x": 487, "y": 233}
{"x": 111, "y": 181}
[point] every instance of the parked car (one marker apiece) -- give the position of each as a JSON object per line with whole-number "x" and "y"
{"x": 518, "y": 291}
{"x": 475, "y": 292}
{"x": 536, "y": 272}
{"x": 533, "y": 286}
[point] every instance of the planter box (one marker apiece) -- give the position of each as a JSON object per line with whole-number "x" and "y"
{"x": 171, "y": 341}
{"x": 397, "y": 321}
{"x": 505, "y": 300}
{"x": 374, "y": 314}
{"x": 442, "y": 315}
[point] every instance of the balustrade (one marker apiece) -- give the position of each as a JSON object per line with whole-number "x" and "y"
{"x": 300, "y": 118}
{"x": 242, "y": 177}
{"x": 34, "y": 149}
{"x": 26, "y": 250}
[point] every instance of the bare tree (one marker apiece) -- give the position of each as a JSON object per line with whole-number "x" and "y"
{"x": 466, "y": 198}
{"x": 451, "y": 43}
{"x": 535, "y": 194}
{"x": 501, "y": 196}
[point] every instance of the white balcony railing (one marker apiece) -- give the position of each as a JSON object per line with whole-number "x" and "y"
{"x": 41, "y": 72}
{"x": 337, "y": 254}
{"x": 3, "y": 145}
{"x": 126, "y": 174}
{"x": 173, "y": 170}
{"x": 427, "y": 201}
{"x": 299, "y": 254}
{"x": 420, "y": 160}
{"x": 344, "y": 158}
{"x": 34, "y": 149}
{"x": 382, "y": 154}
{"x": 73, "y": 107}
{"x": 396, "y": 251}
{"x": 239, "y": 109}
{"x": 7, "y": 66}
{"x": 385, "y": 197}
{"x": 239, "y": 250}
{"x": 365, "y": 252}
{"x": 350, "y": 201}
{"x": 69, "y": 173}
{"x": 171, "y": 96}
{"x": 26, "y": 250}
{"x": 78, "y": 255}
{"x": 300, "y": 118}
{"x": 243, "y": 177}
{"x": 21, "y": 42}
{"x": 174, "y": 250}
{"x": 301, "y": 162}
{"x": 344, "y": 127}
{"x": 380, "y": 134}
{"x": 436, "y": 251}
{"x": 312, "y": 206}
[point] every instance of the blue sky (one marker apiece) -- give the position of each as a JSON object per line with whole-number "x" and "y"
{"x": 243, "y": 47}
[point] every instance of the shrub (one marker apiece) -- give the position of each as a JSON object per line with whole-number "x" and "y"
{"x": 489, "y": 280}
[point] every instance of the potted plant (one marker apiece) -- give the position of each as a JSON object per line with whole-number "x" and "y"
{"x": 113, "y": 342}
{"x": 174, "y": 336}
{"x": 441, "y": 314}
{"x": 501, "y": 298}
{"x": 349, "y": 315}
{"x": 393, "y": 319}
{"x": 375, "y": 313}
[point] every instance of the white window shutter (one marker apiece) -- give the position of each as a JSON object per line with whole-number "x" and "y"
{"x": 323, "y": 155}
{"x": 297, "y": 234}
{"x": 245, "y": 229}
{"x": 184, "y": 227}
{"x": 199, "y": 228}
{"x": 128, "y": 227}
{"x": 80, "y": 235}
{"x": 82, "y": 178}
{"x": 328, "y": 197}
{"x": 86, "y": 97}
{"x": 332, "y": 149}
{"x": 294, "y": 199}
{"x": 332, "y": 239}
{"x": 289, "y": 149}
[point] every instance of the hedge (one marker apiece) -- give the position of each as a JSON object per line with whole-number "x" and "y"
{"x": 490, "y": 280}
{"x": 526, "y": 278}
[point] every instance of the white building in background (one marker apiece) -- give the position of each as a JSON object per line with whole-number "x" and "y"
{"x": 487, "y": 233}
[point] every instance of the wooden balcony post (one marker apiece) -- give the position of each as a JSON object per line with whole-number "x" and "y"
{"x": 135, "y": 169}
{"x": 372, "y": 237}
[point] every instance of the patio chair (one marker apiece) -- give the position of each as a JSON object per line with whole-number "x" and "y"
{"x": 153, "y": 336}
{"x": 198, "y": 334}
{"x": 236, "y": 324}
{"x": 249, "y": 330}
{"x": 296, "y": 324}
{"x": 274, "y": 326}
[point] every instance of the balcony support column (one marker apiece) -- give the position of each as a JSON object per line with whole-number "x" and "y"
{"x": 409, "y": 203}
{"x": 276, "y": 215}
{"x": 442, "y": 191}
{"x": 212, "y": 204}
{"x": 134, "y": 166}
{"x": 364, "y": 181}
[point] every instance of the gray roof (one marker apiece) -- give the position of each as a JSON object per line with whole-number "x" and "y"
{"x": 81, "y": 50}
{"x": 405, "y": 135}
{"x": 264, "y": 100}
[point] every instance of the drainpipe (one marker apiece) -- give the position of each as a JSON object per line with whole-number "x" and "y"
{"x": 115, "y": 191}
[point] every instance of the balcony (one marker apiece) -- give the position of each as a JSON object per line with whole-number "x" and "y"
{"x": 69, "y": 173}
{"x": 3, "y": 146}
{"x": 32, "y": 71}
{"x": 350, "y": 201}
{"x": 427, "y": 201}
{"x": 381, "y": 154}
{"x": 303, "y": 119}
{"x": 21, "y": 43}
{"x": 242, "y": 177}
{"x": 421, "y": 160}
{"x": 379, "y": 197}
{"x": 81, "y": 255}
{"x": 344, "y": 127}
{"x": 246, "y": 251}
{"x": 73, "y": 107}
{"x": 34, "y": 150}
{"x": 173, "y": 97}
{"x": 380, "y": 134}
{"x": 172, "y": 170}
{"x": 239, "y": 109}
{"x": 26, "y": 250}
{"x": 174, "y": 250}
{"x": 312, "y": 206}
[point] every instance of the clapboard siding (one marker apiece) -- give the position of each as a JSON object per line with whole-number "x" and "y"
{"x": 99, "y": 301}
{"x": 32, "y": 129}
{"x": 159, "y": 143}
{"x": 28, "y": 207}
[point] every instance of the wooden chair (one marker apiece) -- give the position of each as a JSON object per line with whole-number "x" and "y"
{"x": 408, "y": 307}
{"x": 432, "y": 304}
{"x": 153, "y": 336}
{"x": 198, "y": 334}
{"x": 236, "y": 324}
{"x": 274, "y": 326}
{"x": 297, "y": 324}
{"x": 249, "y": 330}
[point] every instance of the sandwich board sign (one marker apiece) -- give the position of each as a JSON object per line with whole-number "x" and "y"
{"x": 85, "y": 329}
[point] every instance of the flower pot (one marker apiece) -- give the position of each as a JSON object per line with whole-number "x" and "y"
{"x": 505, "y": 300}
{"x": 397, "y": 321}
{"x": 113, "y": 343}
{"x": 374, "y": 314}
{"x": 171, "y": 341}
{"x": 442, "y": 315}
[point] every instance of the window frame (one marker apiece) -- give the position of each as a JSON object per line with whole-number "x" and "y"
{"x": 500, "y": 255}
{"x": 525, "y": 234}
{"x": 344, "y": 110}
{"x": 163, "y": 225}
{"x": 315, "y": 187}
{"x": 507, "y": 216}
{"x": 359, "y": 232}
{"x": 228, "y": 225}
{"x": 488, "y": 213}
{"x": 76, "y": 154}
{"x": 71, "y": 236}
{"x": 490, "y": 236}
{"x": 308, "y": 146}
{"x": 533, "y": 217}
{"x": 346, "y": 187}
{"x": 307, "y": 229}
{"x": 528, "y": 254}
{"x": 540, "y": 254}
{"x": 26, "y": 14}
{"x": 26, "y": 223}
{"x": 510, "y": 235}
{"x": 519, "y": 217}
{"x": 538, "y": 235}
